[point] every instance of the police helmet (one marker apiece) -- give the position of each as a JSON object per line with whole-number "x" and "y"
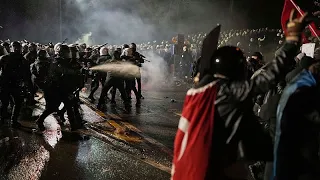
{"x": 63, "y": 51}
{"x": 229, "y": 61}
{"x": 5, "y": 44}
{"x": 16, "y": 44}
{"x": 16, "y": 47}
{"x": 133, "y": 45}
{"x": 74, "y": 51}
{"x": 104, "y": 51}
{"x": 42, "y": 54}
{"x": 56, "y": 47}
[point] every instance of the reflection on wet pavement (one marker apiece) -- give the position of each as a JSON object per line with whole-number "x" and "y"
{"x": 119, "y": 147}
{"x": 31, "y": 166}
{"x": 86, "y": 160}
{"x": 21, "y": 156}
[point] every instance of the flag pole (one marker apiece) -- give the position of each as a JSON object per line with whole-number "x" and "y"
{"x": 311, "y": 28}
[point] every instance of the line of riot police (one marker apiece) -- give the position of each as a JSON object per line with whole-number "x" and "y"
{"x": 60, "y": 72}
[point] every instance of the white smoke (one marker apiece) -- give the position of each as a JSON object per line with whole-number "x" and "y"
{"x": 154, "y": 73}
{"x": 86, "y": 38}
{"x": 112, "y": 21}
{"x": 118, "y": 22}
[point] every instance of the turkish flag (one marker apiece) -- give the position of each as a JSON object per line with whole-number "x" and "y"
{"x": 289, "y": 5}
{"x": 193, "y": 140}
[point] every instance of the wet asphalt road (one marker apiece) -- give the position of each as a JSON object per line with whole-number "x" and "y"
{"x": 157, "y": 117}
{"x": 142, "y": 151}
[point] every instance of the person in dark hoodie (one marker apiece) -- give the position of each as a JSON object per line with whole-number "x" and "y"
{"x": 217, "y": 126}
{"x": 268, "y": 110}
{"x": 297, "y": 127}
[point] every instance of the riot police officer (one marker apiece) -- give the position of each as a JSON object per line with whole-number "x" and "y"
{"x": 61, "y": 85}
{"x": 14, "y": 81}
{"x": 116, "y": 82}
{"x": 99, "y": 76}
{"x": 139, "y": 59}
{"x": 78, "y": 84}
{"x": 39, "y": 69}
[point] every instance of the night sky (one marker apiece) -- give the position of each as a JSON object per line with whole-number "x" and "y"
{"x": 38, "y": 20}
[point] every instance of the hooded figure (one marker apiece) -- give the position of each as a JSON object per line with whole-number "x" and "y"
{"x": 217, "y": 126}
{"x": 297, "y": 154}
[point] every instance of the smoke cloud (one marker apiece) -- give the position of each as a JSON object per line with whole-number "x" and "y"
{"x": 110, "y": 21}
{"x": 86, "y": 38}
{"x": 125, "y": 21}
{"x": 153, "y": 73}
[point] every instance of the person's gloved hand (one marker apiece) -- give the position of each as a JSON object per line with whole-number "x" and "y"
{"x": 296, "y": 26}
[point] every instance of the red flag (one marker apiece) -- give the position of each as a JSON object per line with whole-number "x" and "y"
{"x": 289, "y": 5}
{"x": 193, "y": 140}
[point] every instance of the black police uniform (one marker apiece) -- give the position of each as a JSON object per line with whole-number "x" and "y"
{"x": 61, "y": 84}
{"x": 39, "y": 70}
{"x": 115, "y": 81}
{"x": 14, "y": 81}
{"x": 139, "y": 60}
{"x": 98, "y": 76}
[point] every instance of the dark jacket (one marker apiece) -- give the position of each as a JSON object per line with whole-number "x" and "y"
{"x": 31, "y": 57}
{"x": 39, "y": 70}
{"x": 236, "y": 128}
{"x": 63, "y": 78}
{"x": 137, "y": 58}
{"x": 268, "y": 110}
{"x": 297, "y": 133}
{"x": 15, "y": 71}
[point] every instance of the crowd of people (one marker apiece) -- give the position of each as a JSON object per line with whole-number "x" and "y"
{"x": 61, "y": 71}
{"x": 38, "y": 59}
{"x": 243, "y": 110}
